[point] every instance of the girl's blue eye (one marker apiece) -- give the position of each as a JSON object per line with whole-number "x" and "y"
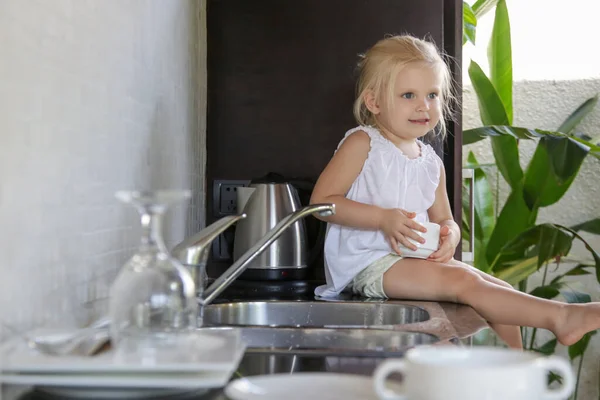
{"x": 432, "y": 95}
{"x": 408, "y": 95}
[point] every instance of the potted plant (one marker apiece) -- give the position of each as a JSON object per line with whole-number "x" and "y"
{"x": 511, "y": 244}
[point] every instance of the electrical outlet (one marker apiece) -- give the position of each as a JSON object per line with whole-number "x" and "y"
{"x": 228, "y": 199}
{"x": 225, "y": 196}
{"x": 225, "y": 203}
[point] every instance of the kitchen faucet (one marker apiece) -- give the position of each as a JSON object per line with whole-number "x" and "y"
{"x": 193, "y": 252}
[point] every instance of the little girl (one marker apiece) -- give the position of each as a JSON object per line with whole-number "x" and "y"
{"x": 385, "y": 182}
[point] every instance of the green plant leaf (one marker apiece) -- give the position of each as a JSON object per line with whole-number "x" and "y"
{"x": 545, "y": 292}
{"x": 552, "y": 243}
{"x": 547, "y": 241}
{"x": 594, "y": 149}
{"x": 482, "y": 132}
{"x": 471, "y": 136}
{"x": 491, "y": 109}
{"x": 481, "y": 7}
{"x": 573, "y": 296}
{"x": 582, "y": 136}
{"x": 492, "y": 112}
{"x": 543, "y": 184}
{"x": 588, "y": 248}
{"x": 466, "y": 228}
{"x": 519, "y": 271}
{"x": 484, "y": 165}
{"x": 579, "y": 348}
{"x": 506, "y": 153}
{"x": 578, "y": 270}
{"x": 591, "y": 226}
{"x": 476, "y": 134}
{"x": 566, "y": 156}
{"x": 484, "y": 212}
{"x": 517, "y": 132}
{"x": 580, "y": 113}
{"x": 572, "y": 259}
{"x": 500, "y": 58}
{"x": 484, "y": 201}
{"x": 554, "y": 377}
{"x": 515, "y": 217}
{"x": 469, "y": 23}
{"x": 547, "y": 348}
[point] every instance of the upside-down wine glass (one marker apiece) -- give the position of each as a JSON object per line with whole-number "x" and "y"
{"x": 153, "y": 302}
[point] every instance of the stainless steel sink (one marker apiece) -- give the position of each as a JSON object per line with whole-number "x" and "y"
{"x": 321, "y": 314}
{"x": 330, "y": 342}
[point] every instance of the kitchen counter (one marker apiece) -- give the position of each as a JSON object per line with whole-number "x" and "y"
{"x": 447, "y": 320}
{"x": 453, "y": 324}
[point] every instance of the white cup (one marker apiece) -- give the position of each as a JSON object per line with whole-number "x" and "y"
{"x": 424, "y": 250}
{"x": 483, "y": 373}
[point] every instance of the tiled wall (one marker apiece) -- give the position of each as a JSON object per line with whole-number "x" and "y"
{"x": 95, "y": 96}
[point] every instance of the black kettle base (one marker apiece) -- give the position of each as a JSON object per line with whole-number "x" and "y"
{"x": 280, "y": 274}
{"x": 269, "y": 290}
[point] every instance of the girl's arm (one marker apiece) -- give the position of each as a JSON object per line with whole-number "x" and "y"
{"x": 337, "y": 178}
{"x": 441, "y": 213}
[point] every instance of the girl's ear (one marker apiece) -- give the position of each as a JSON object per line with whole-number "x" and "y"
{"x": 371, "y": 102}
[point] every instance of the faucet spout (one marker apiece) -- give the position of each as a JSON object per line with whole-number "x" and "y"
{"x": 193, "y": 252}
{"x": 242, "y": 263}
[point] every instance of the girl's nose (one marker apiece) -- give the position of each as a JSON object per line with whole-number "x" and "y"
{"x": 423, "y": 105}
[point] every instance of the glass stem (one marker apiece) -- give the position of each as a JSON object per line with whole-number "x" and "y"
{"x": 151, "y": 230}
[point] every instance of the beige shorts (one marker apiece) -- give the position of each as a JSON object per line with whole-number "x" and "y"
{"x": 369, "y": 282}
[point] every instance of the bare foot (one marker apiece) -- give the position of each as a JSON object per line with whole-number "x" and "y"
{"x": 579, "y": 319}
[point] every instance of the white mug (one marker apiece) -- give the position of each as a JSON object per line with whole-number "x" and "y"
{"x": 482, "y": 373}
{"x": 424, "y": 250}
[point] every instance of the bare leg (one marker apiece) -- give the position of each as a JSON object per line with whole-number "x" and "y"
{"x": 457, "y": 282}
{"x": 510, "y": 334}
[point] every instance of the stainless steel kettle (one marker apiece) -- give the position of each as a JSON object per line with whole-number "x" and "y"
{"x": 265, "y": 204}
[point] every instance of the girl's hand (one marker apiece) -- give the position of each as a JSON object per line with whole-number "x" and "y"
{"x": 448, "y": 243}
{"x": 397, "y": 225}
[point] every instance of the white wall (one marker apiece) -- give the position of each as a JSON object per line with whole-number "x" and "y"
{"x": 551, "y": 39}
{"x": 95, "y": 96}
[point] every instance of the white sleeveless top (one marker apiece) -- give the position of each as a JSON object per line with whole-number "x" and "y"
{"x": 388, "y": 179}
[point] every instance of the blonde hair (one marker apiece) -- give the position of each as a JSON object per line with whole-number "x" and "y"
{"x": 380, "y": 65}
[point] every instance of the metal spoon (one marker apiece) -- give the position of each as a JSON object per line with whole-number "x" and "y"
{"x": 83, "y": 342}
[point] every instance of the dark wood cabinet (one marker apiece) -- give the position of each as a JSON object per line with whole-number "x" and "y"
{"x": 281, "y": 80}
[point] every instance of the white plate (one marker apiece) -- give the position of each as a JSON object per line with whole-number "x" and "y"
{"x": 215, "y": 351}
{"x": 302, "y": 386}
{"x": 124, "y": 381}
{"x": 123, "y": 384}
